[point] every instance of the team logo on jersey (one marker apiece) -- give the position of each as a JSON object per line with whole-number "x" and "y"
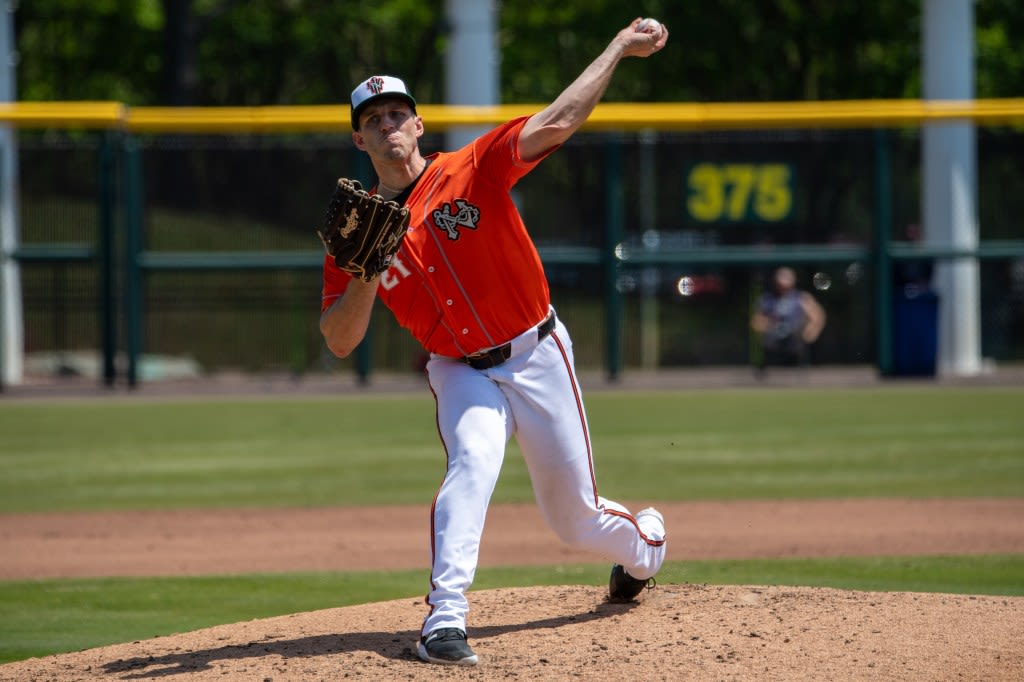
{"x": 375, "y": 85}
{"x": 465, "y": 215}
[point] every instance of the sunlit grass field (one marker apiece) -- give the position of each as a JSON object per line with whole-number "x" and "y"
{"x": 373, "y": 449}
{"x": 907, "y": 441}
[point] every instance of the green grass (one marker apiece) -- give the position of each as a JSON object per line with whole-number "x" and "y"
{"x": 38, "y": 618}
{"x": 919, "y": 441}
{"x": 371, "y": 449}
{"x": 43, "y": 617}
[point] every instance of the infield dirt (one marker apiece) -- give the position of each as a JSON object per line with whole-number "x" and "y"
{"x": 675, "y": 632}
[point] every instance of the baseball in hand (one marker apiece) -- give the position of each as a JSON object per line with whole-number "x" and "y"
{"x": 648, "y": 25}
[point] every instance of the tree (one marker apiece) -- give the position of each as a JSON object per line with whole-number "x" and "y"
{"x": 260, "y": 52}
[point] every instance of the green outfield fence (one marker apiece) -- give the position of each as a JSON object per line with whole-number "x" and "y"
{"x": 605, "y": 170}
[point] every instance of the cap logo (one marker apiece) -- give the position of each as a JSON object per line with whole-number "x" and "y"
{"x": 375, "y": 85}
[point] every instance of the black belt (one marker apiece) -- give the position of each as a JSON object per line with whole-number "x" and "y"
{"x": 495, "y": 356}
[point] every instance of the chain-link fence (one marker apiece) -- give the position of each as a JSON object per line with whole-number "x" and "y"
{"x": 655, "y": 192}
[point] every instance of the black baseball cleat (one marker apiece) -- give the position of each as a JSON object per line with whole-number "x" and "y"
{"x": 446, "y": 645}
{"x": 624, "y": 587}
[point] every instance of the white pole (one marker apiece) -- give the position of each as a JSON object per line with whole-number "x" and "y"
{"x": 472, "y": 64}
{"x": 11, "y": 329}
{"x": 949, "y": 186}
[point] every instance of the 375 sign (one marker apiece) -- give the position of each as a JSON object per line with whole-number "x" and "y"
{"x": 739, "y": 192}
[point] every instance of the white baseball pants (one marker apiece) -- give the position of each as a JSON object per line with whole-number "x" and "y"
{"x": 534, "y": 396}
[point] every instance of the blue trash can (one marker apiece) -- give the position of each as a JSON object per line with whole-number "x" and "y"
{"x": 915, "y": 332}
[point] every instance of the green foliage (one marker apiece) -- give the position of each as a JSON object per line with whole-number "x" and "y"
{"x": 38, "y": 618}
{"x": 689, "y": 445}
{"x": 66, "y": 50}
{"x": 999, "y": 59}
{"x": 221, "y": 52}
{"x": 737, "y": 50}
{"x": 314, "y": 52}
{"x": 260, "y": 52}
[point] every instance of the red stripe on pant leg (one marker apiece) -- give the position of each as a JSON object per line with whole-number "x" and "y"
{"x": 649, "y": 541}
{"x": 580, "y": 412}
{"x": 433, "y": 503}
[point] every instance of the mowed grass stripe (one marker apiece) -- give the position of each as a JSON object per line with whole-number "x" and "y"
{"x": 687, "y": 445}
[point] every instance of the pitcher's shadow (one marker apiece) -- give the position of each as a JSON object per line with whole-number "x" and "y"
{"x": 393, "y": 645}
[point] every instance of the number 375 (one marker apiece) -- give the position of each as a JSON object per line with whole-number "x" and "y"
{"x": 734, "y": 192}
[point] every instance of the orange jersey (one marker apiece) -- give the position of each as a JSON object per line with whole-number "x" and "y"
{"x": 468, "y": 276}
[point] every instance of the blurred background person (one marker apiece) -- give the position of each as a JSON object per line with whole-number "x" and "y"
{"x": 787, "y": 320}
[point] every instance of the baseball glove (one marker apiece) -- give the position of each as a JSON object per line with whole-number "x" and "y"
{"x": 362, "y": 232}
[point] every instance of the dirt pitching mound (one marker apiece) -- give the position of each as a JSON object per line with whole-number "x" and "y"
{"x": 692, "y": 632}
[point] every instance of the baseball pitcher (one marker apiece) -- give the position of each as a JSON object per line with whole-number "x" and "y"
{"x": 440, "y": 242}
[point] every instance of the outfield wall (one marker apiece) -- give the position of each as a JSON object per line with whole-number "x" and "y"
{"x": 151, "y": 231}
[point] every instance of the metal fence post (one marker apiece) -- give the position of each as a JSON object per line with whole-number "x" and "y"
{"x": 134, "y": 279}
{"x": 106, "y": 250}
{"x": 615, "y": 217}
{"x": 882, "y": 258}
{"x": 364, "y": 351}
{"x": 3, "y": 294}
